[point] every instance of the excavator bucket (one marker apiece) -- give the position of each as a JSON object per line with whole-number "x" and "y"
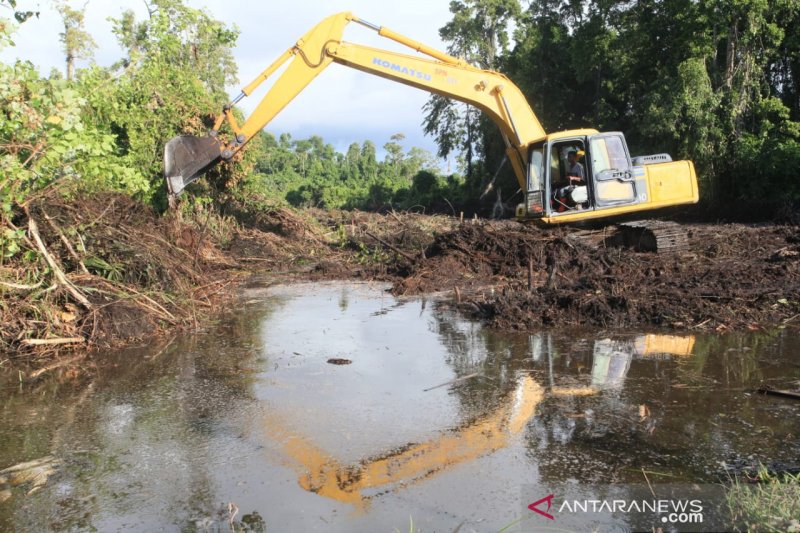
{"x": 186, "y": 158}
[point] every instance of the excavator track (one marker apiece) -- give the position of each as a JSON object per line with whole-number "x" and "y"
{"x": 659, "y": 236}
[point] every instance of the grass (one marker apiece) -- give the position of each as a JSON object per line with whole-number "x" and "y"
{"x": 772, "y": 504}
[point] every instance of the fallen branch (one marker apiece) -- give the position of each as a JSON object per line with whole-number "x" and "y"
{"x": 20, "y": 286}
{"x": 453, "y": 381}
{"x": 66, "y": 242}
{"x": 96, "y": 220}
{"x": 392, "y": 247}
{"x": 51, "y": 342}
{"x": 125, "y": 291}
{"x": 765, "y": 389}
{"x": 33, "y": 229}
{"x": 397, "y": 218}
{"x": 48, "y": 460}
{"x": 54, "y": 366}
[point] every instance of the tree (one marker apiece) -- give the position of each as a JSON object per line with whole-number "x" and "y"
{"x": 394, "y": 152}
{"x": 77, "y": 42}
{"x": 477, "y": 33}
{"x": 713, "y": 81}
{"x": 368, "y": 163}
{"x": 177, "y": 66}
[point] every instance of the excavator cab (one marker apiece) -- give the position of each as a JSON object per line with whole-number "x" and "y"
{"x": 612, "y": 182}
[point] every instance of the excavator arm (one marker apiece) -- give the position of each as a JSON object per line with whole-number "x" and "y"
{"x": 186, "y": 157}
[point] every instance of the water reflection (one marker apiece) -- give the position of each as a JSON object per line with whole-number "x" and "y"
{"x": 320, "y": 473}
{"x": 676, "y": 405}
{"x": 250, "y": 413}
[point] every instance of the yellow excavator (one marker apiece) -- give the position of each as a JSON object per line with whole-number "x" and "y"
{"x": 569, "y": 176}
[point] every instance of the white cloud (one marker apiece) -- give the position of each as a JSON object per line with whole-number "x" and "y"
{"x": 341, "y": 106}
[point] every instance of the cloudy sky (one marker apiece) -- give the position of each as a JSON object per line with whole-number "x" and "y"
{"x": 342, "y": 105}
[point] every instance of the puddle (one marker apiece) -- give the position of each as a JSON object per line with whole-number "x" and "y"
{"x": 435, "y": 419}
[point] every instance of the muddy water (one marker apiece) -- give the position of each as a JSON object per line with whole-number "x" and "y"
{"x": 433, "y": 419}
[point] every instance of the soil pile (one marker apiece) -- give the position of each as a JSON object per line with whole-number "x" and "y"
{"x": 732, "y": 276}
{"x": 102, "y": 270}
{"x": 105, "y": 270}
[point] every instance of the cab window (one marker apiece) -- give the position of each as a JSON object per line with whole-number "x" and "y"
{"x": 608, "y": 153}
{"x": 536, "y": 177}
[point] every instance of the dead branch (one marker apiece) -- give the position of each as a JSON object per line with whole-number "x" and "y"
{"x": 392, "y": 247}
{"x": 53, "y": 342}
{"x": 158, "y": 309}
{"x": 33, "y": 229}
{"x": 453, "y": 381}
{"x": 66, "y": 242}
{"x": 20, "y": 286}
{"x": 766, "y": 389}
{"x": 101, "y": 215}
{"x": 54, "y": 366}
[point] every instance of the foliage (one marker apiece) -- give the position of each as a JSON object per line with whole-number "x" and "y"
{"x": 20, "y": 16}
{"x": 714, "y": 81}
{"x": 105, "y": 128}
{"x": 171, "y": 82}
{"x": 46, "y": 139}
{"x": 773, "y": 504}
{"x": 309, "y": 172}
{"x": 478, "y": 33}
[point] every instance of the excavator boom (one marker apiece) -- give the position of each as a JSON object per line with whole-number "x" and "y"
{"x": 611, "y": 183}
{"x": 186, "y": 158}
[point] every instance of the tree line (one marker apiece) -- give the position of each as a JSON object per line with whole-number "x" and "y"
{"x": 92, "y": 128}
{"x": 714, "y": 81}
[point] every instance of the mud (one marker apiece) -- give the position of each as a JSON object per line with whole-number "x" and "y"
{"x": 457, "y": 426}
{"x": 144, "y": 273}
{"x": 731, "y": 277}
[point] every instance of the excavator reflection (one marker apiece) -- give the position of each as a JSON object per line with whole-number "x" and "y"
{"x": 608, "y": 402}
{"x": 611, "y": 359}
{"x": 320, "y": 472}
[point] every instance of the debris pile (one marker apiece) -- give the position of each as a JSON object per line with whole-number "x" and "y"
{"x": 730, "y": 277}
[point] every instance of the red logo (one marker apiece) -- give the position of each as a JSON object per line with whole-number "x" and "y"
{"x": 546, "y": 514}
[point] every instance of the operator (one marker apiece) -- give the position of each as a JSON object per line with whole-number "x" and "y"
{"x": 575, "y": 170}
{"x": 575, "y": 176}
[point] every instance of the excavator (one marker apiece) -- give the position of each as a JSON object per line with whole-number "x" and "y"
{"x": 610, "y": 185}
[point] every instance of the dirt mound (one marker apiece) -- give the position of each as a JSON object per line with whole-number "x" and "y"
{"x": 474, "y": 256}
{"x": 732, "y": 276}
{"x": 105, "y": 269}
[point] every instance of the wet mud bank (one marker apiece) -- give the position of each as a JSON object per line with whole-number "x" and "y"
{"x": 108, "y": 271}
{"x": 118, "y": 272}
{"x": 729, "y": 277}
